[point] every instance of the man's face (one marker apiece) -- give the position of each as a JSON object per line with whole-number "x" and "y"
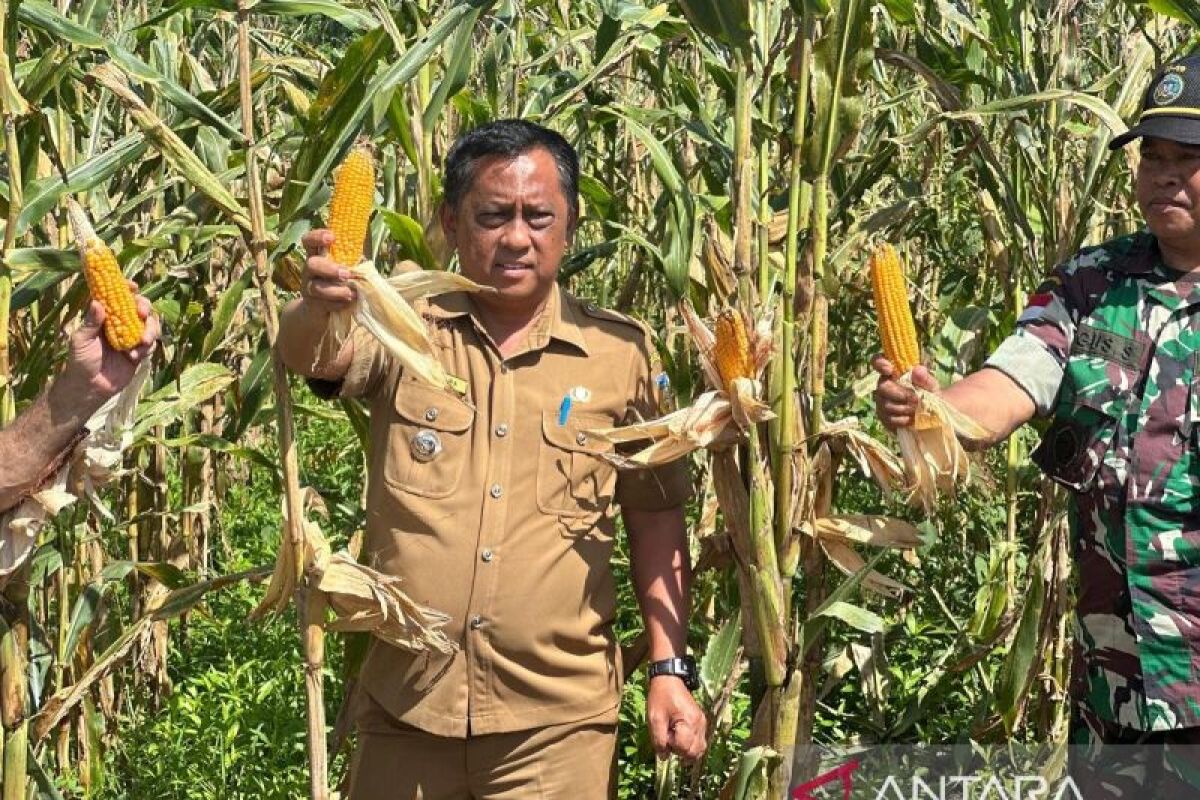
{"x": 511, "y": 229}
{"x": 1168, "y": 191}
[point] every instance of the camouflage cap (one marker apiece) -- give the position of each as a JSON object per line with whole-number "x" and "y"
{"x": 1171, "y": 109}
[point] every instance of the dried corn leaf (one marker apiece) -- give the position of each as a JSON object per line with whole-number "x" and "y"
{"x": 362, "y": 598}
{"x": 734, "y": 501}
{"x": 747, "y": 408}
{"x": 417, "y": 284}
{"x": 399, "y": 328}
{"x": 384, "y": 307}
{"x": 869, "y": 529}
{"x": 934, "y": 460}
{"x": 705, "y": 342}
{"x": 702, "y": 424}
{"x": 874, "y": 458}
{"x": 850, "y": 563}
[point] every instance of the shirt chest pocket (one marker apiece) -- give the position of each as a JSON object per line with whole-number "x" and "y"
{"x": 573, "y": 479}
{"x": 1086, "y": 421}
{"x": 429, "y": 440}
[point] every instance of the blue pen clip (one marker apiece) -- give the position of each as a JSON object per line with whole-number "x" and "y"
{"x": 564, "y": 410}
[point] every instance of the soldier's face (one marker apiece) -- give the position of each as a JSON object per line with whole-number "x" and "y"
{"x": 511, "y": 229}
{"x": 1168, "y": 192}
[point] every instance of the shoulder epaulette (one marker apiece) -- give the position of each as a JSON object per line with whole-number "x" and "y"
{"x": 593, "y": 310}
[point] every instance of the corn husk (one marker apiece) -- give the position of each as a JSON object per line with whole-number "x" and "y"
{"x": 94, "y": 462}
{"x": 705, "y": 423}
{"x": 716, "y": 419}
{"x": 874, "y": 458}
{"x": 384, "y": 307}
{"x": 869, "y": 529}
{"x": 850, "y": 562}
{"x": 362, "y": 598}
{"x": 934, "y": 459}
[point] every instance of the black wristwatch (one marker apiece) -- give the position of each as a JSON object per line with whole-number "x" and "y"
{"x": 683, "y": 667}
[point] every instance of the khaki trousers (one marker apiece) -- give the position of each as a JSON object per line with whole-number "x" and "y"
{"x": 394, "y": 761}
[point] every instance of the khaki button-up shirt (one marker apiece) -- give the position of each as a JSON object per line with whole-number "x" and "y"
{"x": 493, "y": 505}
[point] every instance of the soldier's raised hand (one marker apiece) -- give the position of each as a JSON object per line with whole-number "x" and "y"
{"x": 896, "y": 404}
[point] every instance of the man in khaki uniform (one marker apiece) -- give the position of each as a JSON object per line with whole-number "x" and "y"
{"x": 493, "y": 504}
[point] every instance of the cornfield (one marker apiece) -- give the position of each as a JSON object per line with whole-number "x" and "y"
{"x": 742, "y": 160}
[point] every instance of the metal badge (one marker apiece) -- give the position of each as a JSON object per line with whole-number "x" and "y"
{"x": 425, "y": 445}
{"x": 1169, "y": 89}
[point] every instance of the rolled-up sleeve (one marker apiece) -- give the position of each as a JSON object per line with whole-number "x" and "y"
{"x": 1035, "y": 355}
{"x": 662, "y": 486}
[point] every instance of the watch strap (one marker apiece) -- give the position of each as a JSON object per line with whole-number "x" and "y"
{"x": 683, "y": 667}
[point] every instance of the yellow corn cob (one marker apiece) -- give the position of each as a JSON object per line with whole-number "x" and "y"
{"x": 896, "y": 327}
{"x": 732, "y": 348}
{"x": 350, "y": 206}
{"x": 122, "y": 326}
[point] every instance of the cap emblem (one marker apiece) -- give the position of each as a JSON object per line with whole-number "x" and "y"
{"x": 1168, "y": 90}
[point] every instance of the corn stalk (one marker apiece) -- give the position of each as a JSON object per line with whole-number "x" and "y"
{"x": 14, "y": 619}
{"x": 309, "y": 600}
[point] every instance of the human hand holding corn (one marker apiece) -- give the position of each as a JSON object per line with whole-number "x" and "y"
{"x": 119, "y": 330}
{"x": 324, "y": 283}
{"x": 95, "y": 369}
{"x": 907, "y": 397}
{"x": 896, "y": 403}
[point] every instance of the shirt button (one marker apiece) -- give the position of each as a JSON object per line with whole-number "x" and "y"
{"x": 431, "y": 414}
{"x": 486, "y": 555}
{"x": 502, "y": 430}
{"x": 503, "y": 368}
{"x": 476, "y": 622}
{"x": 581, "y": 438}
{"x": 496, "y": 491}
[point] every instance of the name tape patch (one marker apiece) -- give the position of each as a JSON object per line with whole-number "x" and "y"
{"x": 1110, "y": 346}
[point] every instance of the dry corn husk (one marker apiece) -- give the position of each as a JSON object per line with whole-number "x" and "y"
{"x": 850, "y": 562}
{"x": 717, "y": 418}
{"x": 94, "y": 462}
{"x": 934, "y": 459}
{"x": 869, "y": 529}
{"x": 384, "y": 307}
{"x": 362, "y": 598}
{"x": 873, "y": 457}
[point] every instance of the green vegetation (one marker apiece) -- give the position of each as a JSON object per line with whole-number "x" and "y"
{"x": 741, "y": 153}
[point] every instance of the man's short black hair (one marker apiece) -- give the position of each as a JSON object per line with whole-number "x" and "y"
{"x": 509, "y": 138}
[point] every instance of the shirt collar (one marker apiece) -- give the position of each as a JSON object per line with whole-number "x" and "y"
{"x": 560, "y": 319}
{"x": 1169, "y": 287}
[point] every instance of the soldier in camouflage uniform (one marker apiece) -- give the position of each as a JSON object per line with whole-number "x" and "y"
{"x": 1109, "y": 348}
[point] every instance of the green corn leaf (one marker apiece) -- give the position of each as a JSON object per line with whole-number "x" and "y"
{"x": 43, "y": 16}
{"x": 727, "y": 21}
{"x": 331, "y": 142}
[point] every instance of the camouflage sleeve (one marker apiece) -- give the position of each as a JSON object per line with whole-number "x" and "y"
{"x": 663, "y": 486}
{"x": 1035, "y": 355}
